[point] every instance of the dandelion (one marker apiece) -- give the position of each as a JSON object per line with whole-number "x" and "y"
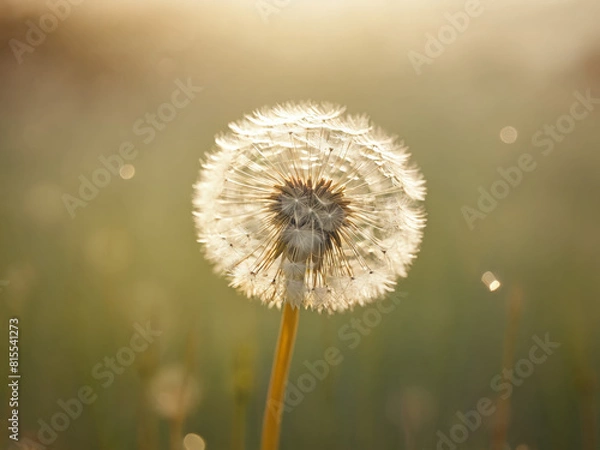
{"x": 301, "y": 206}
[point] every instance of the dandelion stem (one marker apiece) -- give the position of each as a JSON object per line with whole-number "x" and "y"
{"x": 279, "y": 374}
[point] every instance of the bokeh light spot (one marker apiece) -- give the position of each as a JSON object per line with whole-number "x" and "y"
{"x": 127, "y": 171}
{"x": 508, "y": 135}
{"x": 192, "y": 441}
{"x": 490, "y": 280}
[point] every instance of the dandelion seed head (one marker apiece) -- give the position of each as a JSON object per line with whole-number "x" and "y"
{"x": 300, "y": 203}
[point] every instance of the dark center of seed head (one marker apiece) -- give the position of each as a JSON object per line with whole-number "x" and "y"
{"x": 310, "y": 216}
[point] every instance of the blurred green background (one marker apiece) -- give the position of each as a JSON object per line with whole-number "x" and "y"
{"x": 80, "y": 284}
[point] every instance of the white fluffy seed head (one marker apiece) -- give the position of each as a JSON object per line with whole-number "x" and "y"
{"x": 301, "y": 204}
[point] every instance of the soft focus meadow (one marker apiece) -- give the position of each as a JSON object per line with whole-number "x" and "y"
{"x": 126, "y": 332}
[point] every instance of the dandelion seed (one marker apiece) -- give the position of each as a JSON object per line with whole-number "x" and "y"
{"x": 301, "y": 206}
{"x": 299, "y": 199}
